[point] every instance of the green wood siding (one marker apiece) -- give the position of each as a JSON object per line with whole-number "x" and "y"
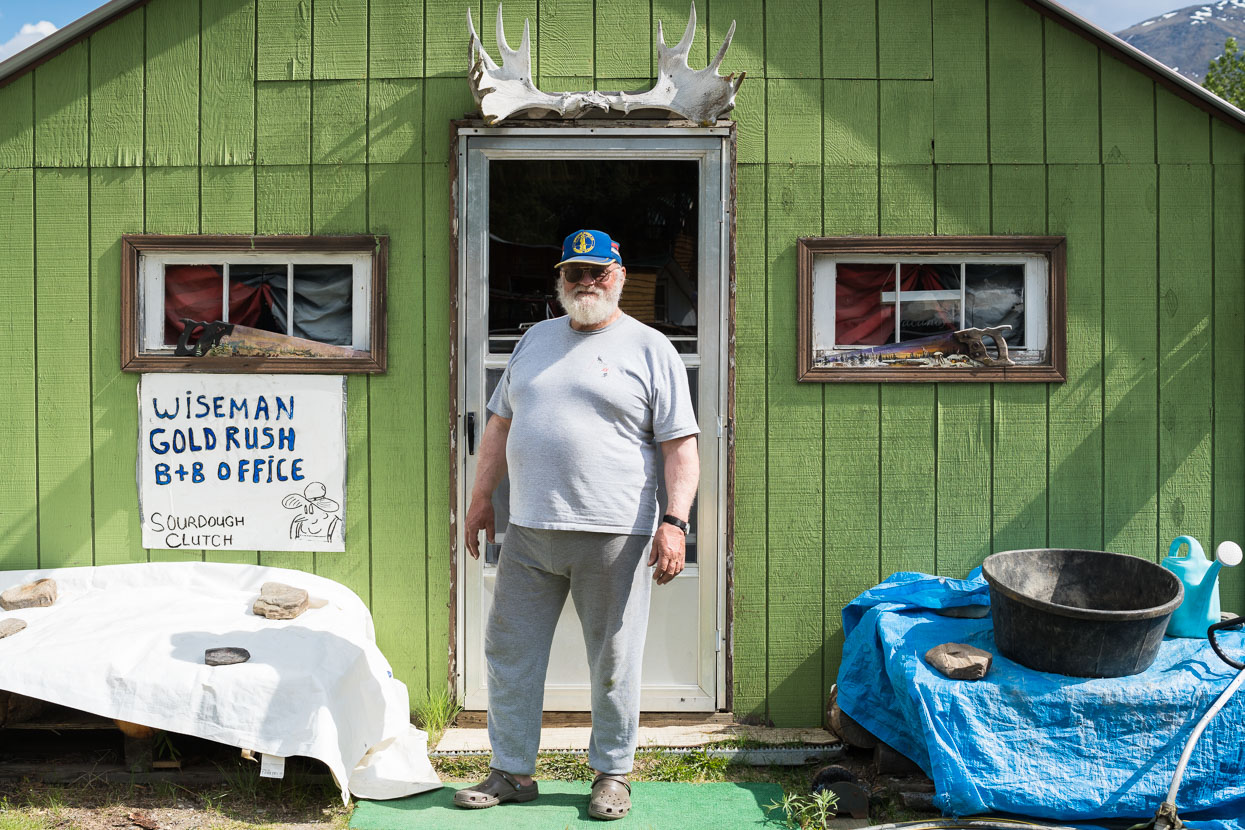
{"x": 858, "y": 117}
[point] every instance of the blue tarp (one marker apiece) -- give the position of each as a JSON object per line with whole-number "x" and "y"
{"x": 1036, "y": 744}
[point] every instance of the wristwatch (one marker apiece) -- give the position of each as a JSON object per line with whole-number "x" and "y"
{"x": 679, "y": 523}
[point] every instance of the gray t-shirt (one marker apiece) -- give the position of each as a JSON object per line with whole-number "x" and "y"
{"x": 588, "y": 410}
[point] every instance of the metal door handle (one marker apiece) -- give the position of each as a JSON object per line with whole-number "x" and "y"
{"x": 471, "y": 433}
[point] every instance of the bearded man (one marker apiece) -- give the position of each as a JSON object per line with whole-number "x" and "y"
{"x": 578, "y": 417}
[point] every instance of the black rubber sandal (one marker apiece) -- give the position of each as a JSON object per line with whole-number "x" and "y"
{"x": 611, "y": 797}
{"x": 499, "y": 788}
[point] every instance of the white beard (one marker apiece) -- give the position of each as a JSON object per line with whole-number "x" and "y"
{"x": 589, "y": 306}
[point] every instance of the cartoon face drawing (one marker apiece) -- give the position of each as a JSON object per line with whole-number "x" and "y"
{"x": 317, "y": 518}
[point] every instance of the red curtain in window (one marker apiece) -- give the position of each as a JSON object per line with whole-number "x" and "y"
{"x": 861, "y": 318}
{"x": 194, "y": 291}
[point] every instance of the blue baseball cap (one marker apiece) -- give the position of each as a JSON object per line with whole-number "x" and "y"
{"x": 592, "y": 247}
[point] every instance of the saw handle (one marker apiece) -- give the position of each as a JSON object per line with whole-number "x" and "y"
{"x": 1235, "y": 622}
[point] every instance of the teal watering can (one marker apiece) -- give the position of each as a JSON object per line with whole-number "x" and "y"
{"x": 1200, "y": 576}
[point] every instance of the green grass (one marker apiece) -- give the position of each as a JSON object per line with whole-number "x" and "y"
{"x": 435, "y": 713}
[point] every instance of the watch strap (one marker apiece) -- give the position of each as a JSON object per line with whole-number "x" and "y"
{"x": 679, "y": 523}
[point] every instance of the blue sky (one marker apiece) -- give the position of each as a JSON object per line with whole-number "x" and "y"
{"x": 24, "y": 21}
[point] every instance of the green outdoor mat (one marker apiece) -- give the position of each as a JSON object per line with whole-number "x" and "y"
{"x": 656, "y": 806}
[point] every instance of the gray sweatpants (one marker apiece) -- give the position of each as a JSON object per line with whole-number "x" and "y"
{"x": 608, "y": 578}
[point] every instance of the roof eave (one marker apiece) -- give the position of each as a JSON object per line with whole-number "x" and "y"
{"x": 63, "y": 38}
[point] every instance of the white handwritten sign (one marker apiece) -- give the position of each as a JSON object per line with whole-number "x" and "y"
{"x": 242, "y": 462}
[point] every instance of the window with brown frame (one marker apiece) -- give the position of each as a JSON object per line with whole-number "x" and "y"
{"x": 280, "y": 304}
{"x": 929, "y": 308}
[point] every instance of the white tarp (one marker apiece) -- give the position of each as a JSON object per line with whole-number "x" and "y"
{"x": 128, "y": 642}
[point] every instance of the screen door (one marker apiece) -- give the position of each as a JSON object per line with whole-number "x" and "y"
{"x": 660, "y": 193}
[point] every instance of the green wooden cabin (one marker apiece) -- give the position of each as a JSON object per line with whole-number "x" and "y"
{"x": 858, "y": 117}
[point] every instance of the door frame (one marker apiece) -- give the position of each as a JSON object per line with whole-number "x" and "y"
{"x": 460, "y": 130}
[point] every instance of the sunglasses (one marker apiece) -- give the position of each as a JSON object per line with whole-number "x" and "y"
{"x": 596, "y": 273}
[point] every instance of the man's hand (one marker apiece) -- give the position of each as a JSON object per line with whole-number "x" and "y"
{"x": 479, "y": 517}
{"x": 668, "y": 554}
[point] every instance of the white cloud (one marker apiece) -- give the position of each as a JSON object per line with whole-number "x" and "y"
{"x": 29, "y": 33}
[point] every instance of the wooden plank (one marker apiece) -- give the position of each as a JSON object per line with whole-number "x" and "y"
{"x": 1228, "y": 143}
{"x": 339, "y": 39}
{"x": 907, "y": 199}
{"x": 965, "y": 425}
{"x": 61, "y": 117}
{"x": 749, "y": 628}
{"x": 628, "y": 49}
{"x": 962, "y": 204}
{"x": 850, "y": 122}
{"x": 1228, "y": 519}
{"x": 962, "y": 499}
{"x": 1182, "y": 130}
{"x": 439, "y": 286}
{"x": 851, "y": 550}
{"x": 1021, "y": 417}
{"x": 1076, "y": 417}
{"x": 172, "y": 199}
{"x": 19, "y": 498}
{"x": 172, "y": 83}
{"x": 338, "y": 198}
{"x": 395, "y": 39}
{"x": 1127, "y": 114}
{"x": 1186, "y": 363}
{"x": 907, "y": 503}
{"x": 283, "y": 128}
{"x": 1018, "y": 198}
{"x": 1072, "y": 135}
{"x": 793, "y": 124}
{"x": 116, "y": 100}
{"x": 795, "y": 444}
{"x": 398, "y": 498}
{"x": 907, "y": 122}
{"x": 851, "y": 200}
{"x": 445, "y": 100}
{"x": 284, "y": 33}
{"x": 1015, "y": 81}
{"x": 564, "y": 38}
{"x": 116, "y": 208}
{"x": 1130, "y": 393}
{"x": 339, "y": 128}
{"x": 62, "y": 367}
{"x": 227, "y": 83}
{"x": 395, "y": 121}
{"x": 906, "y": 50}
{"x": 749, "y": 115}
{"x": 849, "y": 37}
{"x": 228, "y": 195}
{"x": 792, "y": 41}
{"x": 17, "y": 131}
{"x": 747, "y": 49}
{"x": 961, "y": 126}
{"x": 172, "y": 207}
{"x": 445, "y": 37}
{"x": 283, "y": 199}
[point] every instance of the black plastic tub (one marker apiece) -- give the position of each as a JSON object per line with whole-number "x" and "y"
{"x": 1085, "y": 613}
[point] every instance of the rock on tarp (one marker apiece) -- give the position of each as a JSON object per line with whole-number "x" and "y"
{"x": 1032, "y": 743}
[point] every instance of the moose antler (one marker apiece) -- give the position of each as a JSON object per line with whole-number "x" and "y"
{"x": 700, "y": 95}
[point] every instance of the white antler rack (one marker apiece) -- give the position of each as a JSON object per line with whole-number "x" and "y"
{"x": 700, "y": 95}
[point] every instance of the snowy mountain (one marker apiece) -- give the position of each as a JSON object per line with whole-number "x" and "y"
{"x": 1188, "y": 39}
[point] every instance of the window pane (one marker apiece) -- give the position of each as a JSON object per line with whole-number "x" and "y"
{"x": 995, "y": 296}
{"x": 648, "y": 206}
{"x": 926, "y": 317}
{"x": 193, "y": 292}
{"x": 860, "y": 316}
{"x": 257, "y": 296}
{"x": 322, "y": 307}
